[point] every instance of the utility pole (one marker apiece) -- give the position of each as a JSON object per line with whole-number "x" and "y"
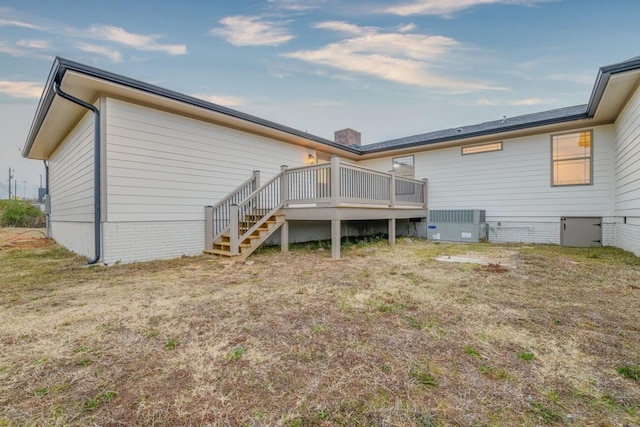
{"x": 9, "y": 198}
{"x": 15, "y": 188}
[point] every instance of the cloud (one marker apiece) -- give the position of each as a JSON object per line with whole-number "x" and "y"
{"x": 251, "y": 31}
{"x": 12, "y": 50}
{"x": 297, "y": 5}
{"x": 580, "y": 78}
{"x": 111, "y": 54}
{"x": 403, "y": 58}
{"x": 16, "y": 23}
{"x": 34, "y": 44}
{"x": 228, "y": 101}
{"x": 21, "y": 89}
{"x": 138, "y": 41}
{"x": 447, "y": 7}
{"x": 344, "y": 27}
{"x": 512, "y": 103}
{"x": 406, "y": 28}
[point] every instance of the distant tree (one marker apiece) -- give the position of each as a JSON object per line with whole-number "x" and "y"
{"x": 20, "y": 213}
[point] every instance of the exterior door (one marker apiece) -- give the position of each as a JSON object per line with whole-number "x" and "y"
{"x": 581, "y": 232}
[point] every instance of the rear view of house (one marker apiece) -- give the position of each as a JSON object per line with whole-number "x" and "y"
{"x": 137, "y": 172}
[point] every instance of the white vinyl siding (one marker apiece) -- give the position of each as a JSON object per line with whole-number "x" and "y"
{"x": 514, "y": 182}
{"x": 627, "y": 179}
{"x": 628, "y": 159}
{"x": 166, "y": 167}
{"x": 71, "y": 190}
{"x": 71, "y": 176}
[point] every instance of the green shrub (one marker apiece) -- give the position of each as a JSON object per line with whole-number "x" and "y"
{"x": 20, "y": 213}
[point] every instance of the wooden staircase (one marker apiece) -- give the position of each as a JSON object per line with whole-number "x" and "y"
{"x": 222, "y": 245}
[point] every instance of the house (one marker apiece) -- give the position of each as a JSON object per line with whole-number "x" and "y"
{"x": 136, "y": 172}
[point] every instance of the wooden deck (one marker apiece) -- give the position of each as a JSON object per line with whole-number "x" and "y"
{"x": 333, "y": 191}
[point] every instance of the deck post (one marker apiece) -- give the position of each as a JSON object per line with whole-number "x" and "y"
{"x": 335, "y": 182}
{"x": 256, "y": 180}
{"x": 208, "y": 227}
{"x": 234, "y": 231}
{"x": 284, "y": 236}
{"x": 335, "y": 239}
{"x": 284, "y": 186}
{"x": 425, "y": 189}
{"x": 392, "y": 190}
{"x": 392, "y": 231}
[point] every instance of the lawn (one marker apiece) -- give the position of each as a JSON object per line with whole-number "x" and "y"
{"x": 387, "y": 336}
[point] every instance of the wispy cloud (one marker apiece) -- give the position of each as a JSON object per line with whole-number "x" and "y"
{"x": 578, "y": 77}
{"x": 345, "y": 27}
{"x": 297, "y": 5}
{"x": 404, "y": 58}
{"x": 138, "y": 41}
{"x": 513, "y": 103}
{"x": 226, "y": 100}
{"x": 111, "y": 54}
{"x": 17, "y": 23}
{"x": 21, "y": 89}
{"x": 406, "y": 28}
{"x": 447, "y": 7}
{"x": 251, "y": 31}
{"x": 34, "y": 44}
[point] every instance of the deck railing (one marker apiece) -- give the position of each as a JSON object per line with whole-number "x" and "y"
{"x": 250, "y": 214}
{"x": 218, "y": 217}
{"x": 323, "y": 185}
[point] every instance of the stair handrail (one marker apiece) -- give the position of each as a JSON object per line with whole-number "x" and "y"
{"x": 265, "y": 201}
{"x": 218, "y": 216}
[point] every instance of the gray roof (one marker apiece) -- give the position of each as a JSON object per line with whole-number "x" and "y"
{"x": 487, "y": 128}
{"x": 560, "y": 115}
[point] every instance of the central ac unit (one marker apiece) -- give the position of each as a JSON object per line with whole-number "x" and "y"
{"x": 464, "y": 225}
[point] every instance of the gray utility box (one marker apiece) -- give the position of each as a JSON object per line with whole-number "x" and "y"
{"x": 465, "y": 225}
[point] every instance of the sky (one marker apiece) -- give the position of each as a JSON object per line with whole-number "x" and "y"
{"x": 387, "y": 69}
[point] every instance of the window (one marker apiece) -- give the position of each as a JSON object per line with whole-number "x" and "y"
{"x": 481, "y": 148}
{"x": 571, "y": 156}
{"x": 403, "y": 166}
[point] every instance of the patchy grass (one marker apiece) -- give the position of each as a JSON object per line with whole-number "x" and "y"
{"x": 385, "y": 336}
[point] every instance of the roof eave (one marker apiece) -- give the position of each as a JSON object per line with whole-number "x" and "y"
{"x": 604, "y": 74}
{"x": 61, "y": 66}
{"x": 48, "y": 94}
{"x": 488, "y": 132}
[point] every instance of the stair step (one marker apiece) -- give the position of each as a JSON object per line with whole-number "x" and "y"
{"x": 220, "y": 252}
{"x": 242, "y": 245}
{"x": 227, "y": 237}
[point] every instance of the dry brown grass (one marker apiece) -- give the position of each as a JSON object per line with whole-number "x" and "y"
{"x": 387, "y": 336}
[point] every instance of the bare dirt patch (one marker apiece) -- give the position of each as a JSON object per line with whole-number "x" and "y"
{"x": 385, "y": 336}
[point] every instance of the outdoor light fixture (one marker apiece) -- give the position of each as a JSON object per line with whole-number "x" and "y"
{"x": 311, "y": 159}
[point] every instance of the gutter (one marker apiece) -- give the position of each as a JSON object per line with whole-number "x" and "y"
{"x": 62, "y": 65}
{"x": 463, "y": 136}
{"x": 604, "y": 74}
{"x": 96, "y": 166}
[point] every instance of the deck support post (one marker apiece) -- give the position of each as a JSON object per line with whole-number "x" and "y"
{"x": 208, "y": 227}
{"x": 392, "y": 231}
{"x": 234, "y": 230}
{"x": 284, "y": 236}
{"x": 335, "y": 181}
{"x": 425, "y": 189}
{"x": 335, "y": 239}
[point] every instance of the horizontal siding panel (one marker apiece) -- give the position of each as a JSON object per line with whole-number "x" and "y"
{"x": 627, "y": 192}
{"x": 71, "y": 176}
{"x": 165, "y": 167}
{"x": 515, "y": 181}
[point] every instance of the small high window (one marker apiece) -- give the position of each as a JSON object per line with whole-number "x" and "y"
{"x": 481, "y": 148}
{"x": 403, "y": 166}
{"x": 571, "y": 156}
